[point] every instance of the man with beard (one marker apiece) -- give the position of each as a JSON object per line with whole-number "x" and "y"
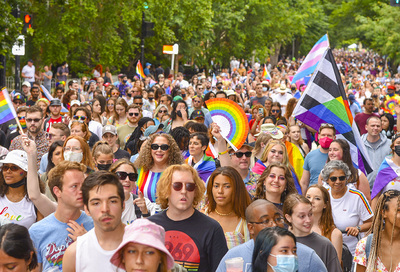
{"x": 103, "y": 198}
{"x": 34, "y": 121}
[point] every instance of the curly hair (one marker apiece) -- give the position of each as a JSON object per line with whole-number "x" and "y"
{"x": 290, "y": 187}
{"x": 164, "y": 185}
{"x": 145, "y": 158}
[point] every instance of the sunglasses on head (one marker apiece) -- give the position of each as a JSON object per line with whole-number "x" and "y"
{"x": 122, "y": 175}
{"x": 327, "y": 125}
{"x": 12, "y": 167}
{"x": 240, "y": 154}
{"x": 177, "y": 186}
{"x": 164, "y": 147}
{"x": 79, "y": 118}
{"x": 133, "y": 113}
{"x": 334, "y": 179}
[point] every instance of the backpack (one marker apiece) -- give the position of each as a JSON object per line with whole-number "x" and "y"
{"x": 347, "y": 258}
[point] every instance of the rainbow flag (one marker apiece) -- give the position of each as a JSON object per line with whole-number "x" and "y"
{"x": 265, "y": 73}
{"x": 311, "y": 61}
{"x": 386, "y": 174}
{"x": 205, "y": 168}
{"x": 325, "y": 101}
{"x": 139, "y": 70}
{"x": 7, "y": 111}
{"x": 295, "y": 158}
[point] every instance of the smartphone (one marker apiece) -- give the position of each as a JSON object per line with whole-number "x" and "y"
{"x": 261, "y": 111}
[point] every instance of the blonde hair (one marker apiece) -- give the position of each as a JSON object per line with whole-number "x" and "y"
{"x": 101, "y": 147}
{"x": 164, "y": 185}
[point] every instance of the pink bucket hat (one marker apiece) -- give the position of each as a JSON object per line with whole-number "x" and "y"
{"x": 145, "y": 232}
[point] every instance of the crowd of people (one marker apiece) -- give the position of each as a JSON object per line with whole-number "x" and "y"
{"x": 136, "y": 175}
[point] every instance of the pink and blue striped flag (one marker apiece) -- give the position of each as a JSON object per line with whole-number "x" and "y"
{"x": 7, "y": 111}
{"x": 310, "y": 62}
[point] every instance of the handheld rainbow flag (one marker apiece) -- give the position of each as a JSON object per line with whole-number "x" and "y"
{"x": 139, "y": 70}
{"x": 314, "y": 56}
{"x": 265, "y": 73}
{"x": 7, "y": 111}
{"x": 295, "y": 158}
{"x": 231, "y": 119}
{"x": 324, "y": 101}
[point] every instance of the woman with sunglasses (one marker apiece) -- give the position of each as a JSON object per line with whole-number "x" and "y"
{"x": 275, "y": 184}
{"x": 136, "y": 206}
{"x": 159, "y": 152}
{"x": 276, "y": 111}
{"x": 120, "y": 115}
{"x": 350, "y": 208}
{"x": 339, "y": 149}
{"x": 204, "y": 165}
{"x": 227, "y": 202}
{"x": 160, "y": 111}
{"x": 15, "y": 204}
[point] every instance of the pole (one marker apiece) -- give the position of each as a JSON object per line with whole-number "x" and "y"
{"x": 17, "y": 59}
{"x": 172, "y": 62}
{"x": 142, "y": 43}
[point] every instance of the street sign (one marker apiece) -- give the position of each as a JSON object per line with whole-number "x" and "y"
{"x": 171, "y": 49}
{"x": 18, "y": 49}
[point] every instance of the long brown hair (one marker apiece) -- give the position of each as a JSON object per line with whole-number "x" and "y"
{"x": 326, "y": 223}
{"x": 290, "y": 187}
{"x": 241, "y": 196}
{"x": 291, "y": 104}
{"x": 87, "y": 156}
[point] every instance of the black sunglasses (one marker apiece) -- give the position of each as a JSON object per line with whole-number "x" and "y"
{"x": 240, "y": 154}
{"x": 275, "y": 111}
{"x": 177, "y": 186}
{"x": 164, "y": 147}
{"x": 334, "y": 179}
{"x": 163, "y": 111}
{"x": 133, "y": 113}
{"x": 122, "y": 175}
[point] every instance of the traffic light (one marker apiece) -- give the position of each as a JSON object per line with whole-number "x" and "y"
{"x": 395, "y": 3}
{"x": 27, "y": 21}
{"x": 147, "y": 29}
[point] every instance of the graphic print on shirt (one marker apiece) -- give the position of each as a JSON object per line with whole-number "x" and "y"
{"x": 54, "y": 254}
{"x": 183, "y": 249}
{"x": 11, "y": 216}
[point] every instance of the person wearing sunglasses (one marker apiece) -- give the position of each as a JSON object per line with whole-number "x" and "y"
{"x": 83, "y": 114}
{"x": 159, "y": 152}
{"x": 124, "y": 131}
{"x": 276, "y": 111}
{"x": 136, "y": 206}
{"x": 14, "y": 200}
{"x": 180, "y": 190}
{"x": 351, "y": 211}
{"x": 205, "y": 165}
{"x": 34, "y": 123}
{"x": 160, "y": 111}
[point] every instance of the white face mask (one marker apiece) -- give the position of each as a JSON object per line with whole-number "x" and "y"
{"x": 73, "y": 156}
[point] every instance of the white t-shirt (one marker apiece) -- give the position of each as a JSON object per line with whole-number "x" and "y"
{"x": 350, "y": 210}
{"x": 128, "y": 215}
{"x": 29, "y": 73}
{"x": 21, "y": 213}
{"x": 91, "y": 257}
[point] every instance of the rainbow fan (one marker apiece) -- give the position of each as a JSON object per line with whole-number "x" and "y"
{"x": 231, "y": 119}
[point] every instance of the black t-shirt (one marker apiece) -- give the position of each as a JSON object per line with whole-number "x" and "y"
{"x": 119, "y": 154}
{"x": 30, "y": 103}
{"x": 197, "y": 243}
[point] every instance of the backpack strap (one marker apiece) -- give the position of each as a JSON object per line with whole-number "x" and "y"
{"x": 368, "y": 245}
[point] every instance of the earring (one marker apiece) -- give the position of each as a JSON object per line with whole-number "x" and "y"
{"x": 383, "y": 226}
{"x": 264, "y": 188}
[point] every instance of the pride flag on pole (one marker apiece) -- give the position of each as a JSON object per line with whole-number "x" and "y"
{"x": 139, "y": 70}
{"x": 310, "y": 62}
{"x": 7, "y": 111}
{"x": 265, "y": 74}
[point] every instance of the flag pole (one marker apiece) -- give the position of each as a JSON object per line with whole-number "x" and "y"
{"x": 15, "y": 116}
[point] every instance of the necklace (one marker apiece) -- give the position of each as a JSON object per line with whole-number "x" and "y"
{"x": 223, "y": 214}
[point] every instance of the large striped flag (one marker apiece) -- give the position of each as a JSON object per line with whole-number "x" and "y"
{"x": 265, "y": 74}
{"x": 387, "y": 173}
{"x": 7, "y": 111}
{"x": 310, "y": 62}
{"x": 139, "y": 70}
{"x": 295, "y": 158}
{"x": 324, "y": 101}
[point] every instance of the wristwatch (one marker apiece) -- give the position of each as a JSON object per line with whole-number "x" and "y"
{"x": 359, "y": 229}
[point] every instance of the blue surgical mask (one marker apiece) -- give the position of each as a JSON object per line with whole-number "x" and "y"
{"x": 265, "y": 89}
{"x": 285, "y": 263}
